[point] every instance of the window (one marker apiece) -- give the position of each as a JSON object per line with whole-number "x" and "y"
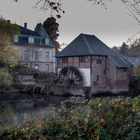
{"x": 47, "y": 56}
{"x": 122, "y": 70}
{"x": 98, "y": 78}
{"x": 47, "y": 68}
{"x": 81, "y": 59}
{"x": 15, "y": 38}
{"x": 26, "y": 55}
{"x": 23, "y": 40}
{"x": 99, "y": 61}
{"x": 36, "y": 55}
{"x": 125, "y": 70}
{"x": 31, "y": 40}
{"x": 104, "y": 72}
{"x": 46, "y": 41}
{"x": 65, "y": 60}
{"x": 26, "y": 65}
{"x": 36, "y": 66}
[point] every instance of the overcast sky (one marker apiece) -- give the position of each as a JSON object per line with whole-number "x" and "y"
{"x": 113, "y": 26}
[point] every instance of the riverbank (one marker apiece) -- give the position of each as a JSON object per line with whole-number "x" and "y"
{"x": 101, "y": 118}
{"x": 14, "y": 108}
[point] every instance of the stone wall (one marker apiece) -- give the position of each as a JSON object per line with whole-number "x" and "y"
{"x": 66, "y": 90}
{"x": 102, "y": 75}
{"x": 111, "y": 79}
{"x": 73, "y": 62}
{"x": 45, "y": 63}
{"x": 99, "y": 73}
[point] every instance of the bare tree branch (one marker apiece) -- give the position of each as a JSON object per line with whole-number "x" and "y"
{"x": 133, "y": 6}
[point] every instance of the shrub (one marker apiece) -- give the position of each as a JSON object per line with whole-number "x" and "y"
{"x": 100, "y": 119}
{"x": 5, "y": 77}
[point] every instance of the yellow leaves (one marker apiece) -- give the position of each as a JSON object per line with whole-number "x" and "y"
{"x": 4, "y": 40}
{"x": 8, "y": 54}
{"x": 5, "y": 77}
{"x": 8, "y": 28}
{"x": 137, "y": 69}
{"x": 7, "y": 31}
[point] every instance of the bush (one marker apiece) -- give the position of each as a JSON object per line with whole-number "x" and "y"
{"x": 5, "y": 77}
{"x": 48, "y": 78}
{"x": 100, "y": 119}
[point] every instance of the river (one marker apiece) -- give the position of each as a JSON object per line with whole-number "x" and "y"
{"x": 18, "y": 112}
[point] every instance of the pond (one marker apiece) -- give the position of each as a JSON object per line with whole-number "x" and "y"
{"x": 18, "y": 112}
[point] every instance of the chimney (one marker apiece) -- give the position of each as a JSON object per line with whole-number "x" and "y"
{"x": 25, "y": 25}
{"x": 8, "y": 21}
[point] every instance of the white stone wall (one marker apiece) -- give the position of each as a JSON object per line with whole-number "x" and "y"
{"x": 86, "y": 75}
{"x": 42, "y": 61}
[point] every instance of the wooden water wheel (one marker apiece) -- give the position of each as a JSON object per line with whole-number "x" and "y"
{"x": 70, "y": 76}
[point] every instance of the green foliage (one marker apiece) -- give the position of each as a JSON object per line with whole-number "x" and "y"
{"x": 8, "y": 55}
{"x": 48, "y": 78}
{"x": 5, "y": 77}
{"x": 137, "y": 69}
{"x": 100, "y": 119}
{"x": 8, "y": 28}
{"x": 130, "y": 50}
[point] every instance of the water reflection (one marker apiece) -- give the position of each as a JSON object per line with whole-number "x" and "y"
{"x": 19, "y": 112}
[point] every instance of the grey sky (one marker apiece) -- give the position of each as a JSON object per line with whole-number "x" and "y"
{"x": 112, "y": 26}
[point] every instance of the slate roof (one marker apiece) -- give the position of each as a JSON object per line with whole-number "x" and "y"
{"x": 25, "y": 31}
{"x": 39, "y": 35}
{"x": 86, "y": 44}
{"x": 43, "y": 34}
{"x": 41, "y": 30}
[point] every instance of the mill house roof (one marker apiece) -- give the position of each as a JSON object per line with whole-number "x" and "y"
{"x": 85, "y": 45}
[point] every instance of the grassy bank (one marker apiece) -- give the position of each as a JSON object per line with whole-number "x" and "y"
{"x": 100, "y": 119}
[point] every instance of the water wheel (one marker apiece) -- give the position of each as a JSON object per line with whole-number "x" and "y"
{"x": 70, "y": 76}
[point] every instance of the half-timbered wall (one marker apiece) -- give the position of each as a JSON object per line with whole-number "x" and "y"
{"x": 82, "y": 63}
{"x": 106, "y": 77}
{"x": 74, "y": 61}
{"x": 99, "y": 72}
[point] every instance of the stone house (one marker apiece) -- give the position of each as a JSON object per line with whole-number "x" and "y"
{"x": 36, "y": 48}
{"x": 103, "y": 69}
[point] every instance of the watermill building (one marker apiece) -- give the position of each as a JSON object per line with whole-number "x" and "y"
{"x": 102, "y": 69}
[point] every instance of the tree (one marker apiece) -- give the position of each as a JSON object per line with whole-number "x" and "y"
{"x": 55, "y": 5}
{"x": 130, "y": 50}
{"x": 135, "y": 48}
{"x": 7, "y": 28}
{"x": 7, "y": 31}
{"x": 124, "y": 49}
{"x": 133, "y": 6}
{"x": 8, "y": 55}
{"x": 115, "y": 48}
{"x": 51, "y": 27}
{"x": 5, "y": 77}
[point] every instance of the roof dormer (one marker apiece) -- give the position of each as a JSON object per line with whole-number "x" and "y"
{"x": 46, "y": 41}
{"x": 16, "y": 39}
{"x": 30, "y": 40}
